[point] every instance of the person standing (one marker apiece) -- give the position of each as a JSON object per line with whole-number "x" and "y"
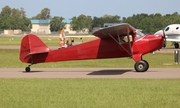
{"x": 62, "y": 38}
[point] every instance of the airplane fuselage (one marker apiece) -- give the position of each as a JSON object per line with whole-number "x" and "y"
{"x": 101, "y": 48}
{"x": 118, "y": 41}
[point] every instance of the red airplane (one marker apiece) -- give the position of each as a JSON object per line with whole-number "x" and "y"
{"x": 117, "y": 41}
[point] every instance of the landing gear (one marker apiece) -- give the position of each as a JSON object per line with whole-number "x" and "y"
{"x": 141, "y": 66}
{"x": 28, "y": 69}
{"x": 176, "y": 45}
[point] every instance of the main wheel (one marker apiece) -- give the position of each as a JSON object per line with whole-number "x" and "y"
{"x": 176, "y": 45}
{"x": 141, "y": 66}
{"x": 27, "y": 69}
{"x": 147, "y": 65}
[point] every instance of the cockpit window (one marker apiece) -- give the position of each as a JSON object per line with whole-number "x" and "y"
{"x": 139, "y": 33}
{"x": 167, "y": 29}
{"x": 177, "y": 28}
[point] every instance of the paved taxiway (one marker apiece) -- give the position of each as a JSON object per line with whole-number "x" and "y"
{"x": 89, "y": 73}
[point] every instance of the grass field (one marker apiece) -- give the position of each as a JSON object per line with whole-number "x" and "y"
{"x": 87, "y": 93}
{"x": 10, "y": 59}
{"x": 49, "y": 40}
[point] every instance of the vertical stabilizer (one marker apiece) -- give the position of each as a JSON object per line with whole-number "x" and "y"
{"x": 31, "y": 44}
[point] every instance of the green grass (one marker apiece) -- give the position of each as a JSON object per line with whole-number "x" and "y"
{"x": 10, "y": 59}
{"x": 49, "y": 41}
{"x": 10, "y": 40}
{"x": 89, "y": 93}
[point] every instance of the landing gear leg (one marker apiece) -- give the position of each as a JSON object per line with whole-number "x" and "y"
{"x": 141, "y": 66}
{"x": 28, "y": 69}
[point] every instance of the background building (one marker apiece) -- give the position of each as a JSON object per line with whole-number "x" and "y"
{"x": 43, "y": 27}
{"x": 67, "y": 28}
{"x": 13, "y": 32}
{"x": 40, "y": 26}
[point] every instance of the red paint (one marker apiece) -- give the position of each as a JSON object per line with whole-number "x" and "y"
{"x": 108, "y": 45}
{"x": 33, "y": 50}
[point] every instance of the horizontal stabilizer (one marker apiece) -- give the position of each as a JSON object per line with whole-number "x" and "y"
{"x": 30, "y": 54}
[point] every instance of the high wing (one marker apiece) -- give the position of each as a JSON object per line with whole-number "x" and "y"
{"x": 173, "y": 40}
{"x": 116, "y": 30}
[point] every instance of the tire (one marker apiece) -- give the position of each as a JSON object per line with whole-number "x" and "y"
{"x": 176, "y": 45}
{"x": 147, "y": 65}
{"x": 27, "y": 69}
{"x": 141, "y": 66}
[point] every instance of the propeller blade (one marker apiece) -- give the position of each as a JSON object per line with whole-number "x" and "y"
{"x": 164, "y": 37}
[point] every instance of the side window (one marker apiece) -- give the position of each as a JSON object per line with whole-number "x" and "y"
{"x": 126, "y": 38}
{"x": 166, "y": 29}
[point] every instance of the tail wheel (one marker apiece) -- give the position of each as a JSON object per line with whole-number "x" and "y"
{"x": 27, "y": 69}
{"x": 141, "y": 66}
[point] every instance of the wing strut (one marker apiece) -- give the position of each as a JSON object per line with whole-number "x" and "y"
{"x": 129, "y": 42}
{"x": 120, "y": 43}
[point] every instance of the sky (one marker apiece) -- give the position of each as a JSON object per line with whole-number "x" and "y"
{"x": 70, "y": 8}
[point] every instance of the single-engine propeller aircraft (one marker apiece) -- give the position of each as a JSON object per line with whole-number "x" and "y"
{"x": 172, "y": 32}
{"x": 117, "y": 41}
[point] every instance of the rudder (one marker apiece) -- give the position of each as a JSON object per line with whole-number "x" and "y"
{"x": 31, "y": 44}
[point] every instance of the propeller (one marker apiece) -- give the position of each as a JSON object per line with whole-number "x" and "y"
{"x": 164, "y": 37}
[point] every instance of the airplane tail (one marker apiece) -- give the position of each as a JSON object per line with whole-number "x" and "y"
{"x": 31, "y": 45}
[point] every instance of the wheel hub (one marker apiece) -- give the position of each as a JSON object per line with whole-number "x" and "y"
{"x": 140, "y": 66}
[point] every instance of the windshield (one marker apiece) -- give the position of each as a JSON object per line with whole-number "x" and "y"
{"x": 139, "y": 33}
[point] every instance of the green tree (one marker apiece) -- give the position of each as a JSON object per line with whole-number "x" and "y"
{"x": 14, "y": 19}
{"x": 89, "y": 23}
{"x": 22, "y": 13}
{"x": 44, "y": 14}
{"x": 56, "y": 23}
{"x": 111, "y": 19}
{"x": 97, "y": 22}
{"x": 6, "y": 11}
{"x": 81, "y": 23}
{"x": 15, "y": 13}
{"x": 153, "y": 22}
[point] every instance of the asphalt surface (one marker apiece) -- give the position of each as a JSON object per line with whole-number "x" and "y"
{"x": 89, "y": 72}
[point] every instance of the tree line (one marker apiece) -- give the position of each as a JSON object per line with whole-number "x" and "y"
{"x": 12, "y": 18}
